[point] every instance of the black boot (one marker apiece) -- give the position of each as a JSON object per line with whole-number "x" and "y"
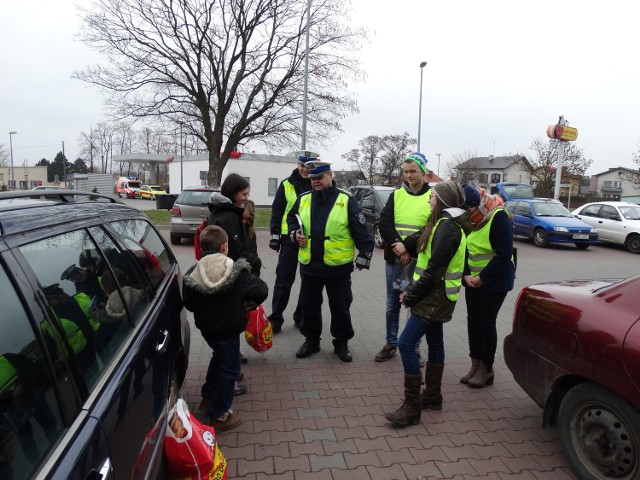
{"x": 431, "y": 396}
{"x": 409, "y": 412}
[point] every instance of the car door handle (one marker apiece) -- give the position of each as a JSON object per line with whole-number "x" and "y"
{"x": 161, "y": 346}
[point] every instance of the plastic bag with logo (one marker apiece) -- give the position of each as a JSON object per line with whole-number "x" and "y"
{"x": 258, "y": 332}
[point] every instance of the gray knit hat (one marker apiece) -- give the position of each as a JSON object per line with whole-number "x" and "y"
{"x": 449, "y": 193}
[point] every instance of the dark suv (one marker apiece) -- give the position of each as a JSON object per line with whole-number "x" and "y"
{"x": 371, "y": 199}
{"x": 94, "y": 341}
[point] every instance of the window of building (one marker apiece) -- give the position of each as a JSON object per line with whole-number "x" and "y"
{"x": 273, "y": 186}
{"x": 495, "y": 177}
{"x": 483, "y": 177}
{"x": 203, "y": 178}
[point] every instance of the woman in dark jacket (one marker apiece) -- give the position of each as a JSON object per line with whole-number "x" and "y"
{"x": 226, "y": 208}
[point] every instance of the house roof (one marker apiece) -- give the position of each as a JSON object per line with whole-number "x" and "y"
{"x": 492, "y": 162}
{"x": 615, "y": 169}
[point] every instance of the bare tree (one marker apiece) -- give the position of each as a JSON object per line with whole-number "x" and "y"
{"x": 631, "y": 176}
{"x": 4, "y": 155}
{"x": 229, "y": 72}
{"x": 545, "y": 159}
{"x": 394, "y": 151}
{"x": 462, "y": 166}
{"x": 367, "y": 157}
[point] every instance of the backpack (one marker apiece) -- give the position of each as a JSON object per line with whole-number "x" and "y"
{"x": 196, "y": 238}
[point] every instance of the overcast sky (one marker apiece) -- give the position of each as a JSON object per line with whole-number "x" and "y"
{"x": 498, "y": 73}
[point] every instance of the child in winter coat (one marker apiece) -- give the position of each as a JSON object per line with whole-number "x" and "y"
{"x": 218, "y": 291}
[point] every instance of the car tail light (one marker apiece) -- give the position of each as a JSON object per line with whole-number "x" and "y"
{"x": 175, "y": 212}
{"x": 517, "y": 309}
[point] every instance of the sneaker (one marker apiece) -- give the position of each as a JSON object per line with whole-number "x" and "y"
{"x": 387, "y": 352}
{"x": 239, "y": 388}
{"x": 226, "y": 422}
{"x": 276, "y": 328}
{"x": 240, "y": 377}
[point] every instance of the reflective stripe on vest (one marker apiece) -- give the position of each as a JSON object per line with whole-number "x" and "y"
{"x": 480, "y": 249}
{"x": 291, "y": 196}
{"x": 410, "y": 212}
{"x": 453, "y": 275}
{"x": 339, "y": 248}
{"x": 74, "y": 335}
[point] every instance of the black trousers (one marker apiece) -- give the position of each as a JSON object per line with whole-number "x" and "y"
{"x": 340, "y": 298}
{"x": 482, "y": 312}
{"x": 285, "y": 276}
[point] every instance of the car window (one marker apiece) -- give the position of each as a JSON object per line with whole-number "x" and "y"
{"x": 590, "y": 210}
{"x": 368, "y": 200}
{"x": 609, "y": 212}
{"x": 147, "y": 248}
{"x": 193, "y": 197}
{"x": 630, "y": 212}
{"x": 357, "y": 194}
{"x": 30, "y": 420}
{"x": 384, "y": 195}
{"x": 75, "y": 276}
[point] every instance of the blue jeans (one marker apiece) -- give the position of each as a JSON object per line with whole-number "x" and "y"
{"x": 414, "y": 330}
{"x": 393, "y": 308}
{"x": 224, "y": 368}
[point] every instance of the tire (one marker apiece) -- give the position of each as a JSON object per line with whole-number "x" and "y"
{"x": 175, "y": 240}
{"x": 582, "y": 246}
{"x": 377, "y": 238}
{"x": 119, "y": 195}
{"x": 633, "y": 243}
{"x": 540, "y": 238}
{"x": 600, "y": 433}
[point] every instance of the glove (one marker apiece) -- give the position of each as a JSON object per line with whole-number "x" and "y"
{"x": 274, "y": 244}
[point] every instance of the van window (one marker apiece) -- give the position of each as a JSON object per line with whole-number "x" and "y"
{"x": 30, "y": 421}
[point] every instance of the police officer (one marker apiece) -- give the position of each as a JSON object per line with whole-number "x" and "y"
{"x": 327, "y": 224}
{"x": 288, "y": 191}
{"x": 405, "y": 213}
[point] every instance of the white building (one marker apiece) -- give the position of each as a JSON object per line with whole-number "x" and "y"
{"x": 264, "y": 172}
{"x": 616, "y": 184}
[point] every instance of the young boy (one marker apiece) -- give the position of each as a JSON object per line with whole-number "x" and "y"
{"x": 218, "y": 290}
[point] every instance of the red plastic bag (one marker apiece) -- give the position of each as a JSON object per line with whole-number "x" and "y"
{"x": 196, "y": 237}
{"x": 258, "y": 332}
{"x": 191, "y": 448}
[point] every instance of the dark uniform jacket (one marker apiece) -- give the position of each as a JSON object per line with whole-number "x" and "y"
{"x": 279, "y": 204}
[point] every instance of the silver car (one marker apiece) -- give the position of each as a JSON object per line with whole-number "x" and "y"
{"x": 188, "y": 211}
{"x": 617, "y": 222}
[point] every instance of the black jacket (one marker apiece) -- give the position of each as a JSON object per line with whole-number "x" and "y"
{"x": 322, "y": 202}
{"x": 229, "y": 216}
{"x": 388, "y": 225}
{"x": 279, "y": 204}
{"x": 218, "y": 291}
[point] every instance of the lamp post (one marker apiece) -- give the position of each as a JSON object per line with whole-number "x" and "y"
{"x": 303, "y": 143}
{"x": 438, "y": 163}
{"x": 422, "y": 65}
{"x": 13, "y": 179}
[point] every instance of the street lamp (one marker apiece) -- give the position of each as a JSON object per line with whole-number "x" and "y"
{"x": 422, "y": 65}
{"x": 438, "y": 163}
{"x": 11, "y": 134}
{"x": 303, "y": 143}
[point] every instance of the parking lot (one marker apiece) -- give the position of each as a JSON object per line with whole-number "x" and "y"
{"x": 319, "y": 418}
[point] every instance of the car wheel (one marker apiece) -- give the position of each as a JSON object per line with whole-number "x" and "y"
{"x": 377, "y": 238}
{"x": 175, "y": 240}
{"x": 633, "y": 243}
{"x": 582, "y": 246}
{"x": 600, "y": 433}
{"x": 119, "y": 195}
{"x": 540, "y": 238}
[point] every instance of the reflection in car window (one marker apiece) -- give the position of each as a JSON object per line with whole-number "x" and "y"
{"x": 72, "y": 270}
{"x": 30, "y": 421}
{"x": 147, "y": 248}
{"x": 630, "y": 213}
{"x": 591, "y": 210}
{"x": 609, "y": 212}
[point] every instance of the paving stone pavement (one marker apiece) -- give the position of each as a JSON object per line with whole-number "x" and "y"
{"x": 322, "y": 419}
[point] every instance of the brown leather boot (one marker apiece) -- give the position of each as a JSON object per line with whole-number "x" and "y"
{"x": 482, "y": 378}
{"x": 475, "y": 365}
{"x": 409, "y": 412}
{"x": 431, "y": 396}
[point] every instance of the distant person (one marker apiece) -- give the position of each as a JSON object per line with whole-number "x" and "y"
{"x": 432, "y": 299}
{"x": 226, "y": 209}
{"x": 489, "y": 275}
{"x": 249, "y": 220}
{"x": 287, "y": 194}
{"x": 407, "y": 211}
{"x": 218, "y": 291}
{"x": 331, "y": 227}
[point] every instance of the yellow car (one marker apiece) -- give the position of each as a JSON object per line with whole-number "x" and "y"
{"x": 150, "y": 191}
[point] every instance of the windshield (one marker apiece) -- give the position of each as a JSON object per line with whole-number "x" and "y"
{"x": 518, "y": 191}
{"x": 630, "y": 213}
{"x": 544, "y": 209}
{"x": 134, "y": 184}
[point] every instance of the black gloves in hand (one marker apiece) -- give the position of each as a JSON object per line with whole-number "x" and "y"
{"x": 274, "y": 244}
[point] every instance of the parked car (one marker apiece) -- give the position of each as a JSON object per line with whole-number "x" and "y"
{"x": 575, "y": 350}
{"x": 150, "y": 191}
{"x": 617, "y": 222}
{"x": 94, "y": 341}
{"x": 512, "y": 190}
{"x": 187, "y": 213}
{"x": 129, "y": 187}
{"x": 372, "y": 199}
{"x": 547, "y": 221}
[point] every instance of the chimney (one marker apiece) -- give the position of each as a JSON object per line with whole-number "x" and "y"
{"x": 491, "y": 159}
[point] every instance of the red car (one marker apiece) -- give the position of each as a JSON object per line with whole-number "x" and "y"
{"x": 575, "y": 350}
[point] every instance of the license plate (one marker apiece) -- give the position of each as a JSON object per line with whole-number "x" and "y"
{"x": 195, "y": 227}
{"x": 581, "y": 236}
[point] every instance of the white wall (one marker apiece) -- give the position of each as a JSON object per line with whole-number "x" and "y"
{"x": 257, "y": 168}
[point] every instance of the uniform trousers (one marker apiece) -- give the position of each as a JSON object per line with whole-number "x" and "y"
{"x": 340, "y": 298}
{"x": 285, "y": 276}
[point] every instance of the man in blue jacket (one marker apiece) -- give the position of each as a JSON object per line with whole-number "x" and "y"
{"x": 328, "y": 225}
